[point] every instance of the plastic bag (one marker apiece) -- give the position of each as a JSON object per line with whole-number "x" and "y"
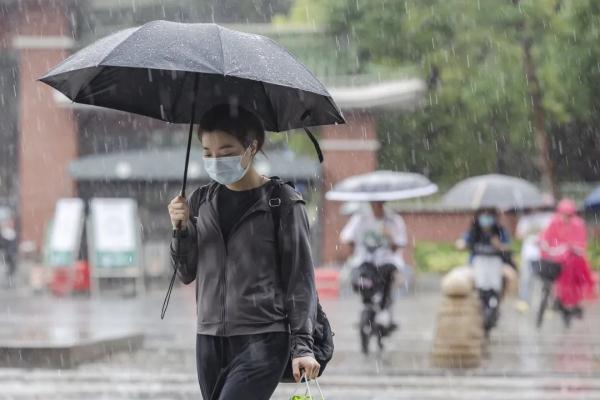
{"x": 307, "y": 393}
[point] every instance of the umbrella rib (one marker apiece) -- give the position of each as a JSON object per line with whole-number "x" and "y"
{"x": 271, "y": 106}
{"x": 99, "y": 64}
{"x": 335, "y": 107}
{"x": 101, "y": 67}
{"x": 222, "y": 49}
{"x": 180, "y": 95}
{"x": 476, "y": 203}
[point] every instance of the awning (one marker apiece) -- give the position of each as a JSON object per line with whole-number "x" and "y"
{"x": 160, "y": 165}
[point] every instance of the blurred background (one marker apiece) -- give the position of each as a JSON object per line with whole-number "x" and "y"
{"x": 447, "y": 89}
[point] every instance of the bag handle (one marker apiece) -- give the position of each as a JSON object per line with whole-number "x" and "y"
{"x": 307, "y": 391}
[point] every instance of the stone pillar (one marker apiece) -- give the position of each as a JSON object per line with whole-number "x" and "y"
{"x": 349, "y": 149}
{"x": 459, "y": 337}
{"x": 47, "y": 133}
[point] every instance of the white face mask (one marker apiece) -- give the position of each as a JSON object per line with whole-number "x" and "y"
{"x": 226, "y": 170}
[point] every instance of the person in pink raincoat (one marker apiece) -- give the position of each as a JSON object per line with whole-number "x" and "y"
{"x": 564, "y": 242}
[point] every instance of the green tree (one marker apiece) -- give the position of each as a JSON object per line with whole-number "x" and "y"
{"x": 577, "y": 138}
{"x": 483, "y": 112}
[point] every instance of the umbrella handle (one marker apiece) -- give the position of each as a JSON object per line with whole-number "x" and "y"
{"x": 182, "y": 194}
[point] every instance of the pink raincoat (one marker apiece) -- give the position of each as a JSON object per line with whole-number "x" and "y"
{"x": 565, "y": 242}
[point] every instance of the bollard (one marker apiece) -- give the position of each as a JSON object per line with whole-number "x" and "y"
{"x": 459, "y": 336}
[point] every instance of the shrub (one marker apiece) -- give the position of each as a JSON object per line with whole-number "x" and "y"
{"x": 438, "y": 257}
{"x": 442, "y": 257}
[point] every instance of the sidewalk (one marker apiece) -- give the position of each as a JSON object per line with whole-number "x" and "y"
{"x": 520, "y": 362}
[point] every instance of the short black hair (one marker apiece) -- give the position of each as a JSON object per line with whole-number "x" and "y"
{"x": 240, "y": 123}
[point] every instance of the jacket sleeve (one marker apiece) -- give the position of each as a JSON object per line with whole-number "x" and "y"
{"x": 298, "y": 278}
{"x": 184, "y": 250}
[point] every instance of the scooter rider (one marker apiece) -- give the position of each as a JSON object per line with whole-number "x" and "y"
{"x": 487, "y": 242}
{"x": 378, "y": 236}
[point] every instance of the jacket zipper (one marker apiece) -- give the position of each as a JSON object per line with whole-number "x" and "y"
{"x": 254, "y": 208}
{"x": 214, "y": 214}
{"x": 223, "y": 279}
{"x": 224, "y": 288}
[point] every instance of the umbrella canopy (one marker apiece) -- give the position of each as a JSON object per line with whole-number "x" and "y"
{"x": 493, "y": 191}
{"x": 382, "y": 186}
{"x": 592, "y": 202}
{"x": 175, "y": 71}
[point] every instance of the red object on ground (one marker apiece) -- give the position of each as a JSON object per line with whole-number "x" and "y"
{"x": 82, "y": 276}
{"x": 61, "y": 283}
{"x": 328, "y": 283}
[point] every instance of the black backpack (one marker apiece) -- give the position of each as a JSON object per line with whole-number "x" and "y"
{"x": 322, "y": 334}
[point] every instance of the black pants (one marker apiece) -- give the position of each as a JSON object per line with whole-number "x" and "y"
{"x": 241, "y": 367}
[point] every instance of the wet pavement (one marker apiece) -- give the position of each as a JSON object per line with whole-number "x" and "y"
{"x": 520, "y": 362}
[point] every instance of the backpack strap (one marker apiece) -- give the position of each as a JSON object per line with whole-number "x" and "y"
{"x": 275, "y": 204}
{"x": 198, "y": 197}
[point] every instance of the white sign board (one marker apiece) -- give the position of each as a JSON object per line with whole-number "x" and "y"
{"x": 114, "y": 225}
{"x": 65, "y": 233}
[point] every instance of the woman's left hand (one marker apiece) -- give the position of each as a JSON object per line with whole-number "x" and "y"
{"x": 307, "y": 365}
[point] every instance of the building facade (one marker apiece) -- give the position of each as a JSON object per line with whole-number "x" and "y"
{"x": 42, "y": 135}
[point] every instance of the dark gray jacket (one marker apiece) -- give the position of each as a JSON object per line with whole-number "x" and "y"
{"x": 242, "y": 288}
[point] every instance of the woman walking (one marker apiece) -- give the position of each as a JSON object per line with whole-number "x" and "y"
{"x": 256, "y": 297}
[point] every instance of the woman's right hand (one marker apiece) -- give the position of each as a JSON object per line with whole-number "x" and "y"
{"x": 179, "y": 212}
{"x": 497, "y": 243}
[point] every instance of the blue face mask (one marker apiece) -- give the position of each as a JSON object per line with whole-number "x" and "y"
{"x": 486, "y": 221}
{"x": 225, "y": 170}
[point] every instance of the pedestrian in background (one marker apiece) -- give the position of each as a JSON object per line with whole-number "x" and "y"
{"x": 9, "y": 248}
{"x": 529, "y": 227}
{"x": 564, "y": 242}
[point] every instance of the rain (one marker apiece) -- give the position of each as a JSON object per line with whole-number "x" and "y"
{"x": 299, "y": 199}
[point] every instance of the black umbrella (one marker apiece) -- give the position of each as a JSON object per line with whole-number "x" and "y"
{"x": 174, "y": 72}
{"x": 592, "y": 202}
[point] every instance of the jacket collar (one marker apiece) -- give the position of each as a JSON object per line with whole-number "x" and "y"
{"x": 262, "y": 204}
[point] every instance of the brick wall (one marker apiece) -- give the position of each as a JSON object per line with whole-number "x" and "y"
{"x": 47, "y": 135}
{"x": 349, "y": 149}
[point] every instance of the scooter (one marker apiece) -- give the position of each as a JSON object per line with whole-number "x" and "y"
{"x": 374, "y": 322}
{"x": 490, "y": 284}
{"x": 490, "y": 309}
{"x": 372, "y": 282}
